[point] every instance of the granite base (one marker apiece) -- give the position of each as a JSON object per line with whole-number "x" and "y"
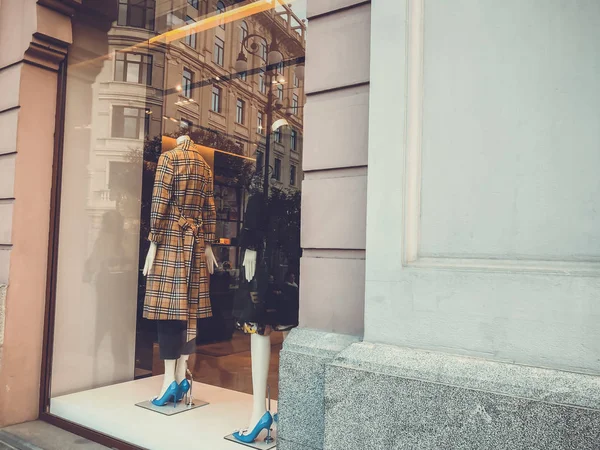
{"x": 381, "y": 397}
{"x": 303, "y": 359}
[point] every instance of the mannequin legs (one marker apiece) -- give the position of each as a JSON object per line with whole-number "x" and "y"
{"x": 260, "y": 348}
{"x": 169, "y": 376}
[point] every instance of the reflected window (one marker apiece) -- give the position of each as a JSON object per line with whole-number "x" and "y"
{"x": 292, "y": 175}
{"x": 280, "y": 92}
{"x": 221, "y": 10}
{"x": 243, "y": 31}
{"x": 187, "y": 82}
{"x": 219, "y": 52}
{"x": 136, "y": 13}
{"x": 260, "y": 159}
{"x": 240, "y": 111}
{"x": 294, "y": 140}
{"x": 185, "y": 125}
{"x": 130, "y": 123}
{"x": 216, "y": 99}
{"x": 277, "y": 169}
{"x": 190, "y": 39}
{"x": 262, "y": 87}
{"x": 133, "y": 68}
{"x": 259, "y": 123}
{"x": 295, "y": 104}
{"x": 277, "y": 135}
{"x": 296, "y": 80}
{"x": 193, "y": 3}
{"x": 263, "y": 51}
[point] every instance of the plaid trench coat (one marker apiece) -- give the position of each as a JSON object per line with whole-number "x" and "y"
{"x": 182, "y": 220}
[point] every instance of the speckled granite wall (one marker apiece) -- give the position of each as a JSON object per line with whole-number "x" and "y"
{"x": 303, "y": 359}
{"x": 381, "y": 397}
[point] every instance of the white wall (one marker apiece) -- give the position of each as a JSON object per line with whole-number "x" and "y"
{"x": 484, "y": 129}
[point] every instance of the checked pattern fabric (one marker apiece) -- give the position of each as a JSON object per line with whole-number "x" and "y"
{"x": 182, "y": 220}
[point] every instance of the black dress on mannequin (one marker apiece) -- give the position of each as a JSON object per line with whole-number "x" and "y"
{"x": 261, "y": 305}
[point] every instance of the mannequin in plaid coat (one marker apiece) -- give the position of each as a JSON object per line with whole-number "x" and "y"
{"x": 182, "y": 227}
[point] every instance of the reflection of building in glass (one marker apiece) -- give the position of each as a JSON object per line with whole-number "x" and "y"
{"x": 149, "y": 90}
{"x": 191, "y": 84}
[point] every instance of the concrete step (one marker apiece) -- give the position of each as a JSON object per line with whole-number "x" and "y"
{"x": 40, "y": 435}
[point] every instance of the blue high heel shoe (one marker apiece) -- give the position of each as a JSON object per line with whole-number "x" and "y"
{"x": 264, "y": 423}
{"x": 182, "y": 389}
{"x": 170, "y": 393}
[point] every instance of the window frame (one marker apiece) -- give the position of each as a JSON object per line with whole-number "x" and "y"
{"x": 240, "y": 111}
{"x": 145, "y": 64}
{"x": 262, "y": 85}
{"x": 148, "y": 14}
{"x": 142, "y": 117}
{"x": 294, "y": 140}
{"x": 220, "y": 7}
{"x": 219, "y": 52}
{"x": 260, "y": 120}
{"x": 187, "y": 84}
{"x": 277, "y": 169}
{"x": 190, "y": 39}
{"x": 217, "y": 93}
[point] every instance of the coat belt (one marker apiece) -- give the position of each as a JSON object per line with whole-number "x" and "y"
{"x": 195, "y": 225}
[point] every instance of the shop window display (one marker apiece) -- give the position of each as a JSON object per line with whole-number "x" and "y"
{"x": 177, "y": 274}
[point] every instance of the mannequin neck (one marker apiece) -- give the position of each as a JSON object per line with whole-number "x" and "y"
{"x": 182, "y": 139}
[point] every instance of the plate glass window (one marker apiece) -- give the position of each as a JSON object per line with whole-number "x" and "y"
{"x": 221, "y": 10}
{"x": 187, "y": 82}
{"x": 277, "y": 169}
{"x": 262, "y": 87}
{"x": 240, "y": 111}
{"x": 190, "y": 38}
{"x": 216, "y": 99}
{"x": 136, "y": 13}
{"x": 133, "y": 68}
{"x": 130, "y": 123}
{"x": 219, "y": 52}
{"x": 294, "y": 140}
{"x": 259, "y": 123}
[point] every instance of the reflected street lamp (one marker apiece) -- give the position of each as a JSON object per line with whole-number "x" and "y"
{"x": 273, "y": 59}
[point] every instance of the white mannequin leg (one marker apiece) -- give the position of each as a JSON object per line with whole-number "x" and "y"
{"x": 260, "y": 348}
{"x": 181, "y": 369}
{"x": 169, "y": 376}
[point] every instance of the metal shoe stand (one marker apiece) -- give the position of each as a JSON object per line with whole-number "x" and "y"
{"x": 188, "y": 403}
{"x": 270, "y": 440}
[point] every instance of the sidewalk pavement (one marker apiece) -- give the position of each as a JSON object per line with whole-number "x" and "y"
{"x": 40, "y": 435}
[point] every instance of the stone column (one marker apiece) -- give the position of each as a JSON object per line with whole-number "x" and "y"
{"x": 35, "y": 36}
{"x": 334, "y": 201}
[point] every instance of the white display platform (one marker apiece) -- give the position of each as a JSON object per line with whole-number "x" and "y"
{"x": 111, "y": 410}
